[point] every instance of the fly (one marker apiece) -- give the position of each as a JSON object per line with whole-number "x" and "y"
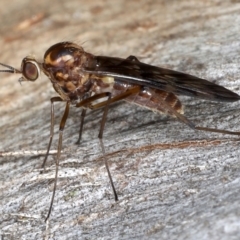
{"x": 92, "y": 82}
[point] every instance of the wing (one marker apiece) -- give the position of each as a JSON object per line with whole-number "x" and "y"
{"x": 133, "y": 71}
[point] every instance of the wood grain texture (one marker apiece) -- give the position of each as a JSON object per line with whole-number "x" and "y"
{"x": 173, "y": 182}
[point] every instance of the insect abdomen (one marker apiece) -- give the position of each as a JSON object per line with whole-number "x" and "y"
{"x": 157, "y": 100}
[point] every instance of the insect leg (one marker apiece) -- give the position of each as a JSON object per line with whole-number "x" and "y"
{"x": 88, "y": 103}
{"x": 119, "y": 97}
{"x": 129, "y": 58}
{"x": 185, "y": 120}
{"x": 132, "y": 58}
{"x": 104, "y": 118}
{"x": 61, "y": 128}
{"x": 54, "y": 99}
{"x": 217, "y": 130}
{"x": 182, "y": 118}
{"x": 108, "y": 171}
{"x": 85, "y": 104}
{"x": 83, "y": 114}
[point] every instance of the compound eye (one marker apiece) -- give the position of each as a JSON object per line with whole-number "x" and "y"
{"x": 30, "y": 69}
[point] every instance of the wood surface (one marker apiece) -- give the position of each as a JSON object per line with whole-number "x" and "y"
{"x": 172, "y": 182}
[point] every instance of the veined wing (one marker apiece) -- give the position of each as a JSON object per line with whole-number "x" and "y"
{"x": 133, "y": 71}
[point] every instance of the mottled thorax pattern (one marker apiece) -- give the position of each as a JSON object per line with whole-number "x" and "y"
{"x": 63, "y": 64}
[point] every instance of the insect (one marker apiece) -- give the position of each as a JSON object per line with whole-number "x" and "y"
{"x": 92, "y": 82}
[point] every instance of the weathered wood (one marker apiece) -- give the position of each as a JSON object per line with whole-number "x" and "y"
{"x": 173, "y": 183}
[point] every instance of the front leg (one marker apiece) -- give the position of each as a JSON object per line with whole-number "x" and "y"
{"x": 61, "y": 128}
{"x": 53, "y": 100}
